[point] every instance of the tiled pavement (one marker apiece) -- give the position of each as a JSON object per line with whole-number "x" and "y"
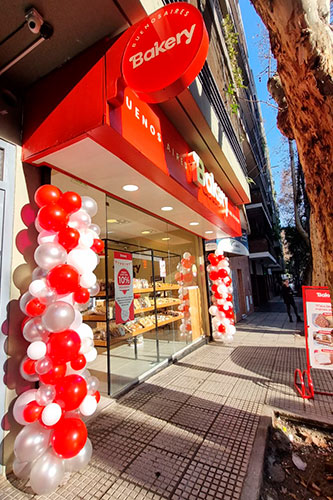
{"x": 188, "y": 432}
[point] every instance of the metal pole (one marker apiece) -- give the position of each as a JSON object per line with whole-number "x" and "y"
{"x": 107, "y": 316}
{"x": 155, "y": 305}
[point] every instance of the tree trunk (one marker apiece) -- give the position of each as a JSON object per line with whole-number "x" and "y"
{"x": 302, "y": 43}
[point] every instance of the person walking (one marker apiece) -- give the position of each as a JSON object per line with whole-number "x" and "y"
{"x": 288, "y": 299}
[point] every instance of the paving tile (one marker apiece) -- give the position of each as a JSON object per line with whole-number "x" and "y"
{"x": 156, "y": 470}
{"x": 192, "y": 417}
{"x": 225, "y": 453}
{"x": 161, "y": 408}
{"x": 115, "y": 453}
{"x": 208, "y": 401}
{"x": 140, "y": 427}
{"x": 179, "y": 440}
{"x": 238, "y": 420}
{"x": 202, "y": 481}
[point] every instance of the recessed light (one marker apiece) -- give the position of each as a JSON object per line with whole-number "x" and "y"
{"x": 112, "y": 221}
{"x": 130, "y": 187}
{"x": 194, "y": 223}
{"x": 209, "y": 232}
{"x": 145, "y": 232}
{"x": 165, "y": 239}
{"x": 167, "y": 209}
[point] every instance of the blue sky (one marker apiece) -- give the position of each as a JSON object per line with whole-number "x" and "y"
{"x": 253, "y": 31}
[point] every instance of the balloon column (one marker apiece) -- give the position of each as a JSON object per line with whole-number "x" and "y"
{"x": 184, "y": 278}
{"x": 222, "y": 308}
{"x": 54, "y": 438}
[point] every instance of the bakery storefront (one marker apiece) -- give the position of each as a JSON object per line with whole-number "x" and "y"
{"x": 157, "y": 200}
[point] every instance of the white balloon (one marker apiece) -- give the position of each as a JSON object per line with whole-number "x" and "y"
{"x": 95, "y": 228}
{"x": 21, "y": 403}
{"x": 79, "y": 219}
{"x": 88, "y": 280}
{"x": 36, "y": 350}
{"x": 91, "y": 355}
{"x": 68, "y": 298}
{"x": 77, "y": 321}
{"x": 87, "y": 238}
{"x": 213, "y": 310}
{"x": 85, "y": 331}
{"x": 89, "y": 205}
{"x": 46, "y": 237}
{"x": 88, "y": 406}
{"x": 39, "y": 273}
{"x": 186, "y": 255}
{"x": 22, "y": 469}
{"x": 37, "y": 226}
{"x": 37, "y": 286}
{"x": 83, "y": 259}
{"x": 86, "y": 345}
{"x": 51, "y": 414}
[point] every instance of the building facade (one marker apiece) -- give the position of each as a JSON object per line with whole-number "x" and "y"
{"x": 67, "y": 119}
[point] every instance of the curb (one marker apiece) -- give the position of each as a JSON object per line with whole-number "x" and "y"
{"x": 253, "y": 479}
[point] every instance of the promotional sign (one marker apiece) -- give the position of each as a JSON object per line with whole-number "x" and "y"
{"x": 123, "y": 279}
{"x": 162, "y": 269}
{"x": 318, "y": 320}
{"x": 166, "y": 52}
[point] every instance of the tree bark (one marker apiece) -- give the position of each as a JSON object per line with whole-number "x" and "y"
{"x": 302, "y": 43}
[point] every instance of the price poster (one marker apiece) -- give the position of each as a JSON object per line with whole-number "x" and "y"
{"x": 318, "y": 320}
{"x": 123, "y": 278}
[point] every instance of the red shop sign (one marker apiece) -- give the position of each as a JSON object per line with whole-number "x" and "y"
{"x": 166, "y": 52}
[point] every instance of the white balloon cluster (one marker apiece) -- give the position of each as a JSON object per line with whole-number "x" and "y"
{"x": 184, "y": 276}
{"x": 54, "y": 439}
{"x": 222, "y": 309}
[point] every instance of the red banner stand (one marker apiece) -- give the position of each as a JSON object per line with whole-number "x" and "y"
{"x": 302, "y": 379}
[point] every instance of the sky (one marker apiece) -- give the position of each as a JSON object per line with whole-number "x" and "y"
{"x": 256, "y": 45}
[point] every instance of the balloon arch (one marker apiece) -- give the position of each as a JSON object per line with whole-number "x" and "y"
{"x": 54, "y": 437}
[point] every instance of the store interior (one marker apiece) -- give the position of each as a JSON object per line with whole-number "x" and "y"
{"x": 137, "y": 347}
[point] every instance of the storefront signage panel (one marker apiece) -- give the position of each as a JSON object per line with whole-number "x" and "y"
{"x": 166, "y": 52}
{"x": 149, "y": 131}
{"x": 318, "y": 322}
{"x": 123, "y": 279}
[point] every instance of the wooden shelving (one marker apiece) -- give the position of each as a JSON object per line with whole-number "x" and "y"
{"x": 158, "y": 289}
{"x": 102, "y": 317}
{"x": 102, "y": 343}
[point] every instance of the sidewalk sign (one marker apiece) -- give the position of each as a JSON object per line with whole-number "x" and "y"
{"x": 318, "y": 326}
{"x": 124, "y": 299}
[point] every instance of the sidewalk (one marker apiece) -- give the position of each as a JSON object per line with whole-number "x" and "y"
{"x": 188, "y": 432}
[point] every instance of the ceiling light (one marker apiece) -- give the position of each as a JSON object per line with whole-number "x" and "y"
{"x": 165, "y": 239}
{"x": 112, "y": 221}
{"x": 145, "y": 232}
{"x": 130, "y": 187}
{"x": 194, "y": 223}
{"x": 209, "y": 232}
{"x": 167, "y": 209}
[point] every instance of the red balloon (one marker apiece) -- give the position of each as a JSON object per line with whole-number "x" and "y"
{"x": 229, "y": 297}
{"x": 34, "y": 307}
{"x": 64, "y": 346}
{"x": 71, "y": 391}
{"x": 179, "y": 277}
{"x": 32, "y": 411}
{"x": 221, "y": 328}
{"x": 29, "y": 366}
{"x": 222, "y": 273}
{"x": 47, "y": 194}
{"x": 69, "y": 437}
{"x": 192, "y": 259}
{"x": 188, "y": 277}
{"x": 188, "y": 327}
{"x": 220, "y": 257}
{"x": 218, "y": 295}
{"x": 214, "y": 288}
{"x": 52, "y": 217}
{"x": 213, "y": 259}
{"x": 186, "y": 297}
{"x": 213, "y": 275}
{"x": 79, "y": 362}
{"x": 52, "y": 376}
{"x": 81, "y": 295}
{"x": 63, "y": 278}
{"x": 68, "y": 238}
{"x": 70, "y": 201}
{"x": 97, "y": 396}
{"x": 229, "y": 313}
{"x": 98, "y": 245}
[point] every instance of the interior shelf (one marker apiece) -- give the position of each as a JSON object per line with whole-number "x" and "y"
{"x": 102, "y": 343}
{"x": 102, "y": 317}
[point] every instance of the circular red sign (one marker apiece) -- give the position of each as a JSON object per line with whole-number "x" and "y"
{"x": 165, "y": 52}
{"x": 124, "y": 278}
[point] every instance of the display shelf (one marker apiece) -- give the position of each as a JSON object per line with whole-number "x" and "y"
{"x": 102, "y": 343}
{"x": 102, "y": 317}
{"x": 158, "y": 289}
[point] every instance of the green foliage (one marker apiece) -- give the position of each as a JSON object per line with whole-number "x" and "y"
{"x": 231, "y": 39}
{"x": 299, "y": 254}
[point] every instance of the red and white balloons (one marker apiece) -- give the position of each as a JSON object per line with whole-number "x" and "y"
{"x": 222, "y": 308}
{"x": 60, "y": 345}
{"x": 184, "y": 277}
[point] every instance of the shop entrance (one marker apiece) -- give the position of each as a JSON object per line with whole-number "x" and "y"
{"x": 129, "y": 351}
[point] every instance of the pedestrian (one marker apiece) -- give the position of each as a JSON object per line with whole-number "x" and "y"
{"x": 288, "y": 299}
